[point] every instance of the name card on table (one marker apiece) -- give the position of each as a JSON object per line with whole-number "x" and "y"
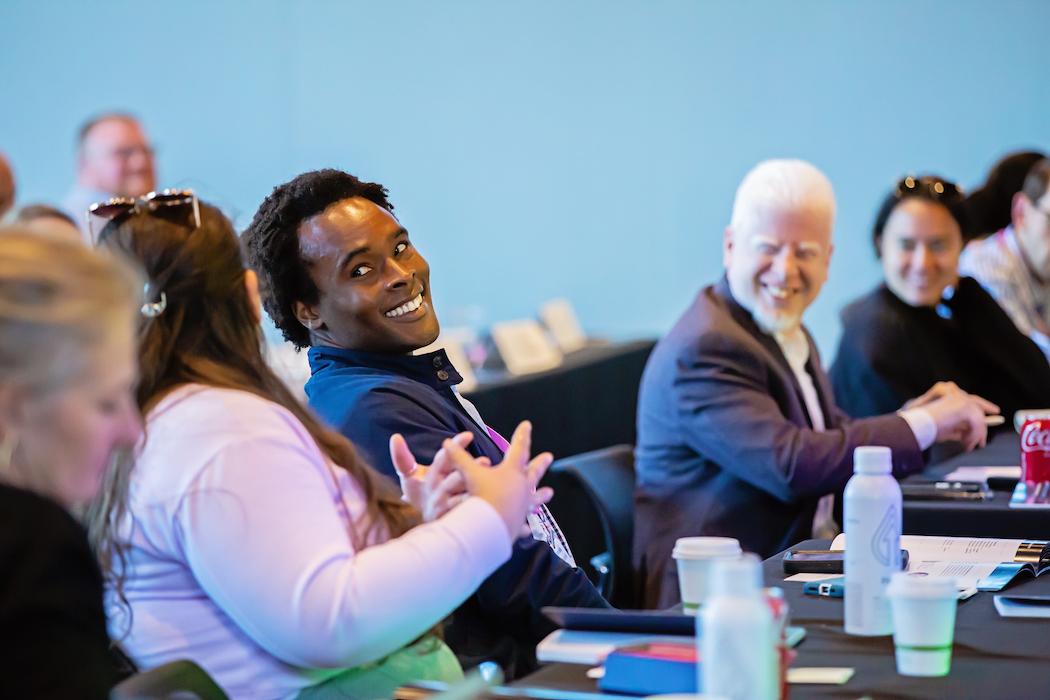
{"x": 560, "y": 319}
{"x": 524, "y": 347}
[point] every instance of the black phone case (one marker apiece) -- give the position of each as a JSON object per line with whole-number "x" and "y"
{"x": 827, "y": 566}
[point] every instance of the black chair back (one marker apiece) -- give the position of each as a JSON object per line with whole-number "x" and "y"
{"x": 594, "y": 505}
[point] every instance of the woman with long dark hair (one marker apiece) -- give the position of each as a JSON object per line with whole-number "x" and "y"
{"x": 254, "y": 540}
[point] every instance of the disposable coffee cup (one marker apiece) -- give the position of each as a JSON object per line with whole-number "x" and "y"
{"x": 693, "y": 557}
{"x": 923, "y": 610}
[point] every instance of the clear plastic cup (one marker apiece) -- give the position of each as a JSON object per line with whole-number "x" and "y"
{"x": 693, "y": 557}
{"x": 923, "y": 609}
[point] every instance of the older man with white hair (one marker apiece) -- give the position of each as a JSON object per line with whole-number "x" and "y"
{"x": 738, "y": 431}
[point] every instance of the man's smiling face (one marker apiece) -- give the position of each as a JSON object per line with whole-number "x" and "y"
{"x": 373, "y": 285}
{"x": 777, "y": 263}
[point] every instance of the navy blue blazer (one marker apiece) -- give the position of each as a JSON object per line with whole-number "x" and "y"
{"x": 726, "y": 446}
{"x": 368, "y": 397}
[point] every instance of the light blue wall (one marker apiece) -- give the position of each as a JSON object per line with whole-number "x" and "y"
{"x": 588, "y": 149}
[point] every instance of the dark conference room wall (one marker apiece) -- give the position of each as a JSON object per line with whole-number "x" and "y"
{"x": 587, "y": 149}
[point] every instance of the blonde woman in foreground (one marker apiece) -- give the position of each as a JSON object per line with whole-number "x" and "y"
{"x": 67, "y": 371}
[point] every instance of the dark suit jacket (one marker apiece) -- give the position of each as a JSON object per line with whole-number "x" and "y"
{"x": 368, "y": 397}
{"x": 726, "y": 447}
{"x": 890, "y": 352}
{"x": 52, "y": 626}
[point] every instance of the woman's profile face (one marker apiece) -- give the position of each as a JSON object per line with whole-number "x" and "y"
{"x": 66, "y": 437}
{"x": 920, "y": 250}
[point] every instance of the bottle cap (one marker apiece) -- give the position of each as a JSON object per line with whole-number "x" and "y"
{"x": 871, "y": 459}
{"x": 741, "y": 576}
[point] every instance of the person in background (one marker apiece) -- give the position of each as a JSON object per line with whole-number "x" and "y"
{"x": 924, "y": 323}
{"x": 41, "y": 218}
{"x": 257, "y": 542}
{"x": 345, "y": 280}
{"x": 68, "y": 318}
{"x": 1014, "y": 264}
{"x": 7, "y": 187}
{"x": 989, "y": 207}
{"x": 738, "y": 431}
{"x": 114, "y": 159}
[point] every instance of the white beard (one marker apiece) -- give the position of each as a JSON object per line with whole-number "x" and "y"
{"x": 778, "y": 323}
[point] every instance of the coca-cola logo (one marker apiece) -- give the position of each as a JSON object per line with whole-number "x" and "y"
{"x": 1035, "y": 437}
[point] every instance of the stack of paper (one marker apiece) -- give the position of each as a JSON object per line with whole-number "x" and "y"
{"x": 971, "y": 561}
{"x": 980, "y": 475}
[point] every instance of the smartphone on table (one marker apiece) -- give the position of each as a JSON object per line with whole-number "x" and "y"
{"x": 822, "y": 561}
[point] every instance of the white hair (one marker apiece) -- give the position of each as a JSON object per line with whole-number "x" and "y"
{"x": 778, "y": 185}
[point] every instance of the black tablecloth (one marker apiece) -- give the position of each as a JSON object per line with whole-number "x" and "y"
{"x": 586, "y": 403}
{"x": 992, "y": 518}
{"x": 992, "y": 657}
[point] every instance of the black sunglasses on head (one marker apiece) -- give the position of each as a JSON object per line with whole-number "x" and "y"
{"x": 177, "y": 206}
{"x": 933, "y": 187}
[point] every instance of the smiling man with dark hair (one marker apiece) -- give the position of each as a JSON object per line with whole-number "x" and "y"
{"x": 342, "y": 277}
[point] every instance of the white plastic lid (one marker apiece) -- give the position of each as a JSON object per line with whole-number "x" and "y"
{"x": 705, "y": 547}
{"x": 739, "y": 576}
{"x": 913, "y": 585}
{"x": 871, "y": 459}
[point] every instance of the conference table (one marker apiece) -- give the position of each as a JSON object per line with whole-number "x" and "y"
{"x": 992, "y": 657}
{"x": 991, "y": 518}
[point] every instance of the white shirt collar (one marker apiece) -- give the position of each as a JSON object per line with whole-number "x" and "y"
{"x": 795, "y": 346}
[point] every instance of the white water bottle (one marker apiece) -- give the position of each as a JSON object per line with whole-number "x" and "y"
{"x": 738, "y": 639}
{"x": 872, "y": 513}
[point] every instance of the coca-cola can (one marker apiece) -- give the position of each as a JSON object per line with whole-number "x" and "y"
{"x": 1035, "y": 450}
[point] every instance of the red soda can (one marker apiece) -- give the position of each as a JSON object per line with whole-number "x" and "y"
{"x": 1035, "y": 450}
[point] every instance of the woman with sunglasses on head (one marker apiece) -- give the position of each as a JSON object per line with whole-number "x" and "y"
{"x": 67, "y": 371}
{"x": 924, "y": 324}
{"x": 257, "y": 543}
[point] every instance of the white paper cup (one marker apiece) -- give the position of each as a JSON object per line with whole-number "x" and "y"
{"x": 693, "y": 557}
{"x": 923, "y": 609}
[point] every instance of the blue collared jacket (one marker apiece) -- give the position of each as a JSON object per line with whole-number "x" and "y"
{"x": 368, "y": 397}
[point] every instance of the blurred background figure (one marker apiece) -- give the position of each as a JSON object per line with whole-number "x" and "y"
{"x": 114, "y": 159}
{"x": 7, "y": 186}
{"x": 68, "y": 318}
{"x": 42, "y": 218}
{"x": 925, "y": 324}
{"x": 989, "y": 207}
{"x": 1014, "y": 264}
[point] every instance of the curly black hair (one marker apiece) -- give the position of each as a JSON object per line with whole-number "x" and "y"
{"x": 271, "y": 241}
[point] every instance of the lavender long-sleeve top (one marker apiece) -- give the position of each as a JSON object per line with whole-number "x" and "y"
{"x": 242, "y": 560}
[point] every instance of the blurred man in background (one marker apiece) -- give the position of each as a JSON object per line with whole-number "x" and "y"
{"x": 114, "y": 159}
{"x": 1014, "y": 264}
